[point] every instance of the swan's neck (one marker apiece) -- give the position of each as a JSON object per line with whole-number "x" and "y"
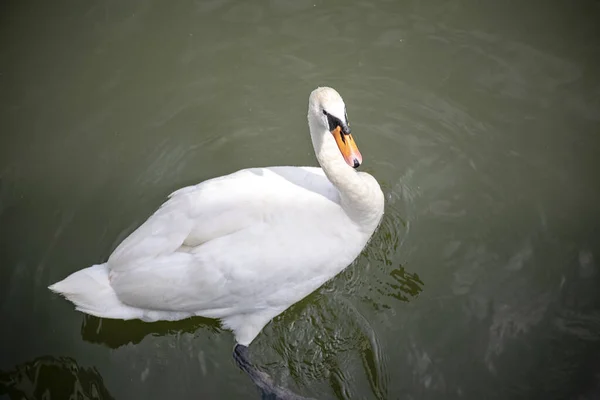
{"x": 358, "y": 196}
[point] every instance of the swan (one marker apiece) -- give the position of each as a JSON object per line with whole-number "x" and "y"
{"x": 242, "y": 247}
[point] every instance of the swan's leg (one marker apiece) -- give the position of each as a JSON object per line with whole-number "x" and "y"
{"x": 261, "y": 379}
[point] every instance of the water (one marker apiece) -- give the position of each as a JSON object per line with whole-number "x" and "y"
{"x": 481, "y": 121}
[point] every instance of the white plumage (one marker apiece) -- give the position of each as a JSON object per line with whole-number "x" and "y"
{"x": 245, "y": 246}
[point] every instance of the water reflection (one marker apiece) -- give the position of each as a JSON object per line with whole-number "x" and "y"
{"x": 116, "y": 333}
{"x": 387, "y": 283}
{"x": 53, "y": 378}
{"x": 408, "y": 285}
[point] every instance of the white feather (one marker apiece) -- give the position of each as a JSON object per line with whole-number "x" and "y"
{"x": 241, "y": 247}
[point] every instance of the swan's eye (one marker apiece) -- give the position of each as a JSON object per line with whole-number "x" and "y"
{"x": 333, "y": 122}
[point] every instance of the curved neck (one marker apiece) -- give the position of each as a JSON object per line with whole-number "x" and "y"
{"x": 354, "y": 192}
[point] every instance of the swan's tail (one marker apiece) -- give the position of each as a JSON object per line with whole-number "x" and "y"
{"x": 89, "y": 289}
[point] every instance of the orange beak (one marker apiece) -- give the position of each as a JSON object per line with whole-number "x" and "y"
{"x": 347, "y": 147}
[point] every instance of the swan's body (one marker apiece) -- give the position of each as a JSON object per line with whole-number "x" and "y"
{"x": 245, "y": 246}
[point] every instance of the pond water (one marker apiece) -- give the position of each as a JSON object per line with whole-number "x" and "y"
{"x": 480, "y": 120}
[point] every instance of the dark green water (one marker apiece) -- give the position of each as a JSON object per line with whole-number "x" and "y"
{"x": 481, "y": 121}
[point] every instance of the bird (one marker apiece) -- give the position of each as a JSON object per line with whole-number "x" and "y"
{"x": 243, "y": 247}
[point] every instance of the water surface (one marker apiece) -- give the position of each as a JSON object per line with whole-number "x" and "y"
{"x": 481, "y": 121}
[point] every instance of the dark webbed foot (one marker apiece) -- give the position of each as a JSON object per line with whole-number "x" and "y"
{"x": 261, "y": 379}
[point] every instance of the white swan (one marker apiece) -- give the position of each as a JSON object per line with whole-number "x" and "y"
{"x": 245, "y": 246}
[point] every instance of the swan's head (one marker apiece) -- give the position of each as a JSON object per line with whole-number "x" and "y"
{"x": 327, "y": 109}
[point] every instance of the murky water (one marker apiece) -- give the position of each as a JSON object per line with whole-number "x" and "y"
{"x": 481, "y": 121}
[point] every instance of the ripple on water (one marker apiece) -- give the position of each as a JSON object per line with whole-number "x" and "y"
{"x": 324, "y": 342}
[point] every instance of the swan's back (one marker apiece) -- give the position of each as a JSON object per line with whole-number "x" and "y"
{"x": 254, "y": 241}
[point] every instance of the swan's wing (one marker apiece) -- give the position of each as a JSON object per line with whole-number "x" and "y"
{"x": 216, "y": 208}
{"x": 161, "y": 234}
{"x": 268, "y": 265}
